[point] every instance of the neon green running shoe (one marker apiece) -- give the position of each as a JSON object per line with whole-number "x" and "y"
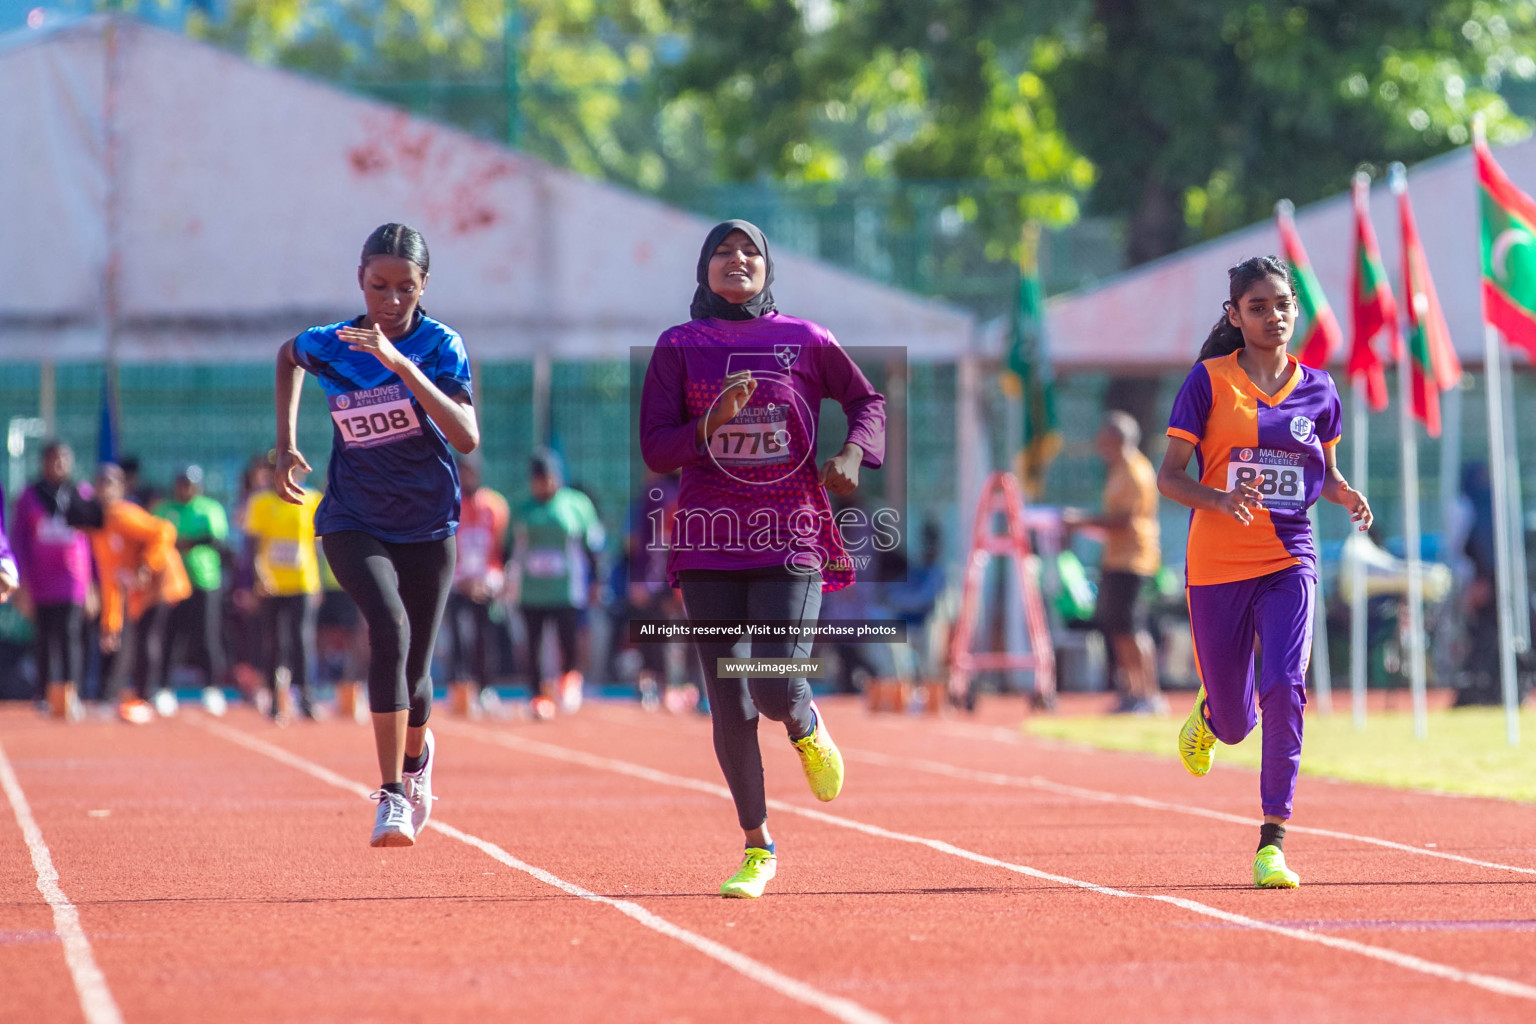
{"x": 822, "y": 761}
{"x": 1196, "y": 739}
{"x": 1270, "y": 872}
{"x": 756, "y": 871}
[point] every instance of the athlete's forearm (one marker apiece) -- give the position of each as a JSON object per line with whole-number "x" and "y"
{"x": 1334, "y": 486}
{"x": 1184, "y": 489}
{"x": 455, "y": 419}
{"x": 290, "y": 383}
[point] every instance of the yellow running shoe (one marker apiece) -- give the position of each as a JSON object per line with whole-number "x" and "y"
{"x": 1196, "y": 739}
{"x": 822, "y": 761}
{"x": 756, "y": 871}
{"x": 1270, "y": 872}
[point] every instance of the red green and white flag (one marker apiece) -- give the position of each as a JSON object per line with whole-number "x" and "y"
{"x": 1372, "y": 308}
{"x": 1431, "y": 356}
{"x": 1322, "y": 338}
{"x": 1509, "y": 251}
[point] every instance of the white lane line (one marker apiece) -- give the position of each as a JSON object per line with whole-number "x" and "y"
{"x": 1407, "y": 961}
{"x": 1045, "y": 785}
{"x": 96, "y": 1000}
{"x": 833, "y": 1006}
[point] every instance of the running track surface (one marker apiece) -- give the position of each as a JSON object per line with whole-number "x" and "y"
{"x": 219, "y": 870}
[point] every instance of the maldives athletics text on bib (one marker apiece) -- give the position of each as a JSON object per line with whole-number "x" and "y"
{"x": 1279, "y": 476}
{"x": 373, "y": 416}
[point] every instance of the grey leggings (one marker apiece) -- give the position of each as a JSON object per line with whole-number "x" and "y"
{"x": 752, "y": 595}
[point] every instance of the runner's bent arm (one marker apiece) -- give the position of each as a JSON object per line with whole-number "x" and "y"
{"x": 846, "y": 384}
{"x": 1174, "y": 481}
{"x": 290, "y": 382}
{"x": 454, "y": 416}
{"x": 1337, "y": 490}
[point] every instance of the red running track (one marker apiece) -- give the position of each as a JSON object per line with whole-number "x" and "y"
{"x": 220, "y": 871}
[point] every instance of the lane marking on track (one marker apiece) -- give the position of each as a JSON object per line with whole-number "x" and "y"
{"x": 1045, "y": 785}
{"x": 833, "y": 1006}
{"x": 1407, "y": 961}
{"x": 96, "y": 1000}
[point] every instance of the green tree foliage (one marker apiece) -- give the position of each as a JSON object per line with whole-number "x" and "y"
{"x": 1200, "y": 114}
{"x": 569, "y": 78}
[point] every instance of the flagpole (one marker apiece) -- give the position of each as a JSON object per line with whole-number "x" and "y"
{"x": 1322, "y": 671}
{"x": 1357, "y": 601}
{"x": 1520, "y": 589}
{"x": 1448, "y": 624}
{"x": 1493, "y": 366}
{"x": 1410, "y": 463}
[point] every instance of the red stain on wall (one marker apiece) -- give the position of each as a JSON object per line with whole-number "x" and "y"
{"x": 455, "y": 174}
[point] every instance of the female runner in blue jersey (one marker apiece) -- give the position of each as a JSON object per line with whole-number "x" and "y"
{"x": 398, "y": 386}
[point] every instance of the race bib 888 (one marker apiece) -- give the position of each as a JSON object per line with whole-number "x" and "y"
{"x": 375, "y": 416}
{"x": 1279, "y": 476}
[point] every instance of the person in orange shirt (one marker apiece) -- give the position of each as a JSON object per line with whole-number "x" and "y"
{"x": 142, "y": 578}
{"x": 1131, "y": 558}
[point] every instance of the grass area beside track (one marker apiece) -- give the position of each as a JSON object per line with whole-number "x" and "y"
{"x": 1465, "y": 752}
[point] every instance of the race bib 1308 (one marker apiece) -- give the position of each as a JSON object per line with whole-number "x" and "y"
{"x": 375, "y": 416}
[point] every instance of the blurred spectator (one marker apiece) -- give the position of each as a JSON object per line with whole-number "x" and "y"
{"x": 142, "y": 580}
{"x": 242, "y": 633}
{"x": 858, "y": 663}
{"x": 1130, "y": 560}
{"x": 287, "y": 588}
{"x": 639, "y": 584}
{"x": 915, "y": 600}
{"x": 557, "y": 538}
{"x": 202, "y": 534}
{"x": 478, "y": 581}
{"x": 54, "y": 558}
{"x": 134, "y": 487}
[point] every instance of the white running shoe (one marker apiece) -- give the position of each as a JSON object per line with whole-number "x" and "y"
{"x": 418, "y": 787}
{"x": 214, "y": 702}
{"x": 392, "y": 825}
{"x": 570, "y": 692}
{"x": 166, "y": 704}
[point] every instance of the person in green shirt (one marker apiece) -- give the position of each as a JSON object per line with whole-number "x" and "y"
{"x": 556, "y": 540}
{"x": 202, "y": 533}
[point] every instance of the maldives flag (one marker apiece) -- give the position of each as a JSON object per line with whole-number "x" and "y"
{"x": 1432, "y": 359}
{"x": 1372, "y": 308}
{"x": 1322, "y": 339}
{"x": 1509, "y": 251}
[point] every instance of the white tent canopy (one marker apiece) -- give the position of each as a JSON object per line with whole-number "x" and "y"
{"x": 169, "y": 201}
{"x": 1157, "y": 315}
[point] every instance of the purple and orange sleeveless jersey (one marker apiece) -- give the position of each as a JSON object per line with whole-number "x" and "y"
{"x": 1273, "y": 442}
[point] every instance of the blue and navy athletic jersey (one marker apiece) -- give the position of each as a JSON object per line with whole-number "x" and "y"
{"x": 392, "y": 474}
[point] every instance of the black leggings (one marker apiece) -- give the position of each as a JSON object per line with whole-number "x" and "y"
{"x": 145, "y": 637}
{"x": 60, "y": 643}
{"x": 401, "y": 590}
{"x": 566, "y": 622}
{"x": 734, "y": 704}
{"x": 470, "y": 631}
{"x": 194, "y": 631}
{"x": 288, "y": 636}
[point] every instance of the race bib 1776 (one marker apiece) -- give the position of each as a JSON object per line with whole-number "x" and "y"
{"x": 375, "y": 416}
{"x": 758, "y": 436}
{"x": 1279, "y": 476}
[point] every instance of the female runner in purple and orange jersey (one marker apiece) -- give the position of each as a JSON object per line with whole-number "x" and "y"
{"x": 1264, "y": 430}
